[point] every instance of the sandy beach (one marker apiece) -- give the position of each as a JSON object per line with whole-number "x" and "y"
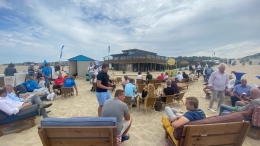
{"x": 146, "y": 130}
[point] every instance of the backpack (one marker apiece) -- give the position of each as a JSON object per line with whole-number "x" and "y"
{"x": 158, "y": 105}
{"x": 256, "y": 116}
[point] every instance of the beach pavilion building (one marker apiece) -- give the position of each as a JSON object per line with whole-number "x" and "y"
{"x": 136, "y": 60}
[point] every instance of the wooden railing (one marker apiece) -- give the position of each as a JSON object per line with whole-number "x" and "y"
{"x": 135, "y": 60}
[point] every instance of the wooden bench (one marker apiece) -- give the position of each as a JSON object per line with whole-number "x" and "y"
{"x": 32, "y": 124}
{"x": 233, "y": 133}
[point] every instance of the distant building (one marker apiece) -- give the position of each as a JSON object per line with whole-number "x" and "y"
{"x": 136, "y": 60}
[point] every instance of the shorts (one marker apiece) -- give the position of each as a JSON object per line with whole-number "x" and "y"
{"x": 125, "y": 125}
{"x": 102, "y": 97}
{"x": 47, "y": 82}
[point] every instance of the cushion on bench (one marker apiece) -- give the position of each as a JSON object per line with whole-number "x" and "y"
{"x": 90, "y": 121}
{"x": 233, "y": 117}
{"x": 6, "y": 119}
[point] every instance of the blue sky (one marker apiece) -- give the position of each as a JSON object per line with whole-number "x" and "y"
{"x": 34, "y": 30}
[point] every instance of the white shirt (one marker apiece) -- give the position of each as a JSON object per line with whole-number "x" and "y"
{"x": 42, "y": 83}
{"x": 96, "y": 71}
{"x": 192, "y": 76}
{"x": 9, "y": 106}
{"x": 179, "y": 77}
{"x": 55, "y": 75}
{"x": 166, "y": 77}
{"x": 91, "y": 68}
{"x": 193, "y": 66}
{"x": 218, "y": 80}
{"x": 231, "y": 83}
{"x": 139, "y": 77}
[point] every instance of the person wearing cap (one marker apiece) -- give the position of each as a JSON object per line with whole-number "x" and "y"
{"x": 31, "y": 70}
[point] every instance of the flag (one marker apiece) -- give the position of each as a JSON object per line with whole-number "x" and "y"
{"x": 108, "y": 49}
{"x": 61, "y": 51}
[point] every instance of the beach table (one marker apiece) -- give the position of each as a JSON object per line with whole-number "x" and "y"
{"x": 182, "y": 85}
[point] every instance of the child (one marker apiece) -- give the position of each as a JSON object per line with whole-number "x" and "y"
{"x": 93, "y": 80}
{"x": 42, "y": 82}
{"x": 53, "y": 95}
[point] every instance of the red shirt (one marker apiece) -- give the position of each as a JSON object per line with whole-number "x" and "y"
{"x": 59, "y": 81}
{"x": 160, "y": 77}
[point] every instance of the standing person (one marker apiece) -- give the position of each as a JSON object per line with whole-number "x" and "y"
{"x": 31, "y": 70}
{"x": 90, "y": 71}
{"x": 218, "y": 83}
{"x": 102, "y": 92}
{"x": 45, "y": 74}
{"x": 208, "y": 72}
{"x": 10, "y": 70}
{"x": 39, "y": 73}
{"x": 198, "y": 70}
{"x": 50, "y": 71}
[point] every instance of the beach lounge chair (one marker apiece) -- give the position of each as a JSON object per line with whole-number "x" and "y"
{"x": 218, "y": 130}
{"x": 128, "y": 101}
{"x": 7, "y": 121}
{"x": 66, "y": 91}
{"x": 179, "y": 97}
{"x": 140, "y": 87}
{"x": 148, "y": 102}
{"x": 139, "y": 81}
{"x": 82, "y": 131}
{"x": 151, "y": 81}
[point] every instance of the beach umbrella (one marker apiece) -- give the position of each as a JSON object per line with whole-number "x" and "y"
{"x": 184, "y": 63}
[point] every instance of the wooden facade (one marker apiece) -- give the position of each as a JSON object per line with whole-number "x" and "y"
{"x": 136, "y": 60}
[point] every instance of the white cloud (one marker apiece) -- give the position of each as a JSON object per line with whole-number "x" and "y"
{"x": 172, "y": 28}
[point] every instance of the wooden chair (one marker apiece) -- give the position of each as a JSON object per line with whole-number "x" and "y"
{"x": 118, "y": 80}
{"x": 66, "y": 91}
{"x": 218, "y": 134}
{"x": 140, "y": 87}
{"x": 139, "y": 81}
{"x": 156, "y": 85}
{"x": 148, "y": 102}
{"x": 151, "y": 81}
{"x": 94, "y": 86}
{"x": 179, "y": 97}
{"x": 78, "y": 135}
{"x": 128, "y": 101}
{"x": 254, "y": 132}
{"x": 169, "y": 99}
{"x": 32, "y": 124}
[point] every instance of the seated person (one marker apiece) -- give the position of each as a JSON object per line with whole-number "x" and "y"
{"x": 246, "y": 110}
{"x": 160, "y": 77}
{"x": 32, "y": 86}
{"x": 93, "y": 80}
{"x": 69, "y": 82}
{"x": 185, "y": 76}
{"x": 207, "y": 91}
{"x": 192, "y": 75}
{"x": 165, "y": 76}
{"x": 125, "y": 81}
{"x": 41, "y": 82}
{"x": 130, "y": 89}
{"x": 115, "y": 107}
{"x": 167, "y": 91}
{"x": 179, "y": 77}
{"x": 58, "y": 83}
{"x": 148, "y": 76}
{"x": 193, "y": 113}
{"x": 231, "y": 85}
{"x": 139, "y": 76}
{"x": 175, "y": 87}
{"x": 239, "y": 90}
{"x": 12, "y": 107}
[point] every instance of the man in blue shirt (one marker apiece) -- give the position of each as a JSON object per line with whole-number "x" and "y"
{"x": 32, "y": 86}
{"x": 130, "y": 89}
{"x": 45, "y": 74}
{"x": 208, "y": 72}
{"x": 193, "y": 113}
{"x": 239, "y": 90}
{"x": 69, "y": 82}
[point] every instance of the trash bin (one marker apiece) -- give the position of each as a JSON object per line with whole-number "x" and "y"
{"x": 87, "y": 77}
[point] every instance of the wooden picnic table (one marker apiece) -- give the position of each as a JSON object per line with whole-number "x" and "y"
{"x": 182, "y": 85}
